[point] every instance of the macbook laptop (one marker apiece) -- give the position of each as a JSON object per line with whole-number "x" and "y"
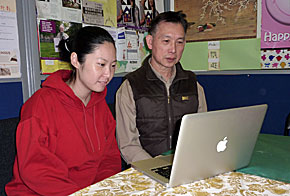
{"x": 208, "y": 144}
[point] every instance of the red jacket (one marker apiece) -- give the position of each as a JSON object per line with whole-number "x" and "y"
{"x": 63, "y": 145}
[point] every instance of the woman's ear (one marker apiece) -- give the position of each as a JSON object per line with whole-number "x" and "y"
{"x": 74, "y": 60}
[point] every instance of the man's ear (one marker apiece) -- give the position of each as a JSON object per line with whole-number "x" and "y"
{"x": 74, "y": 60}
{"x": 149, "y": 40}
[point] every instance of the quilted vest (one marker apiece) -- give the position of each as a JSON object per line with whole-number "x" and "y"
{"x": 158, "y": 115}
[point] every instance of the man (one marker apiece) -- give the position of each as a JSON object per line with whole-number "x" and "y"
{"x": 61, "y": 34}
{"x": 152, "y": 100}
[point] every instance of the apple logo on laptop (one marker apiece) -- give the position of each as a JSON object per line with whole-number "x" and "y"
{"x": 222, "y": 145}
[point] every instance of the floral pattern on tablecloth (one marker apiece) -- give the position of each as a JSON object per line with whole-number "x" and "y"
{"x": 133, "y": 183}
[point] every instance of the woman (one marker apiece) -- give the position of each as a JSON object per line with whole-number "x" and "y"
{"x": 66, "y": 136}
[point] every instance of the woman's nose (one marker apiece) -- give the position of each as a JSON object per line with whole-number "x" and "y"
{"x": 107, "y": 71}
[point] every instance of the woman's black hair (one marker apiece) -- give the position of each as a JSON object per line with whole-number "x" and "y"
{"x": 84, "y": 42}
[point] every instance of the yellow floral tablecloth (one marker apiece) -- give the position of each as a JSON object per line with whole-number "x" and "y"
{"x": 131, "y": 182}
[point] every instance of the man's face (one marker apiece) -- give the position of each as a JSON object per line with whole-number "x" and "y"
{"x": 61, "y": 29}
{"x": 167, "y": 45}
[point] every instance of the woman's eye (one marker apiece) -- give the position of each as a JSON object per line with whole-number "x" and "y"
{"x": 113, "y": 65}
{"x": 101, "y": 64}
{"x": 165, "y": 41}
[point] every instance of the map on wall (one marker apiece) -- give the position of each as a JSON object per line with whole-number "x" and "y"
{"x": 219, "y": 19}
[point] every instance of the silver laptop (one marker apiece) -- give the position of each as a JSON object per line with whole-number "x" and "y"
{"x": 208, "y": 144}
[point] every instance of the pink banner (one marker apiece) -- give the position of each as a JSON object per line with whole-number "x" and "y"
{"x": 275, "y": 24}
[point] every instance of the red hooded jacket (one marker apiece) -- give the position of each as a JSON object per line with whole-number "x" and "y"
{"x": 63, "y": 145}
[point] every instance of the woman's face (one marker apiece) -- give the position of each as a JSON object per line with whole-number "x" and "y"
{"x": 151, "y": 3}
{"x": 98, "y": 69}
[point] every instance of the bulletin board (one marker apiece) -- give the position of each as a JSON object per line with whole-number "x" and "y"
{"x": 61, "y": 19}
{"x": 239, "y": 32}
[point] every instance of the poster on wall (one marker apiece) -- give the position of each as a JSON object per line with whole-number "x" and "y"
{"x": 93, "y": 12}
{"x": 50, "y": 34}
{"x": 275, "y": 59}
{"x": 275, "y": 30}
{"x": 131, "y": 50}
{"x": 9, "y": 45}
{"x": 48, "y": 9}
{"x": 129, "y": 35}
{"x": 96, "y": 12}
{"x": 137, "y": 14}
{"x": 219, "y": 19}
{"x": 100, "y": 12}
{"x": 69, "y": 10}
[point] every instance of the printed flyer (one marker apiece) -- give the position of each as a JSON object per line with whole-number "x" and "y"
{"x": 9, "y": 45}
{"x": 275, "y": 24}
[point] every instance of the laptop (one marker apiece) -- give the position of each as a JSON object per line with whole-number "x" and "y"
{"x": 208, "y": 144}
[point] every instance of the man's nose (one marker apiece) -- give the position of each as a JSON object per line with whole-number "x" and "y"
{"x": 173, "y": 47}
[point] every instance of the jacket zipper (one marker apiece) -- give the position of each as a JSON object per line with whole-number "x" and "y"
{"x": 92, "y": 146}
{"x": 96, "y": 130}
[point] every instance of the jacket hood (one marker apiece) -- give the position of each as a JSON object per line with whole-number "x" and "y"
{"x": 57, "y": 81}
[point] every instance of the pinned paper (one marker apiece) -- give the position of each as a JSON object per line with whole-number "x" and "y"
{"x": 214, "y": 55}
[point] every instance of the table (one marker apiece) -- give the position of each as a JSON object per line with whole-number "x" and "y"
{"x": 267, "y": 174}
{"x": 271, "y": 158}
{"x": 132, "y": 182}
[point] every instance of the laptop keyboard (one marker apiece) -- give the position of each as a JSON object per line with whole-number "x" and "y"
{"x": 163, "y": 171}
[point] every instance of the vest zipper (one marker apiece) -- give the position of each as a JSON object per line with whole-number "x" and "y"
{"x": 169, "y": 124}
